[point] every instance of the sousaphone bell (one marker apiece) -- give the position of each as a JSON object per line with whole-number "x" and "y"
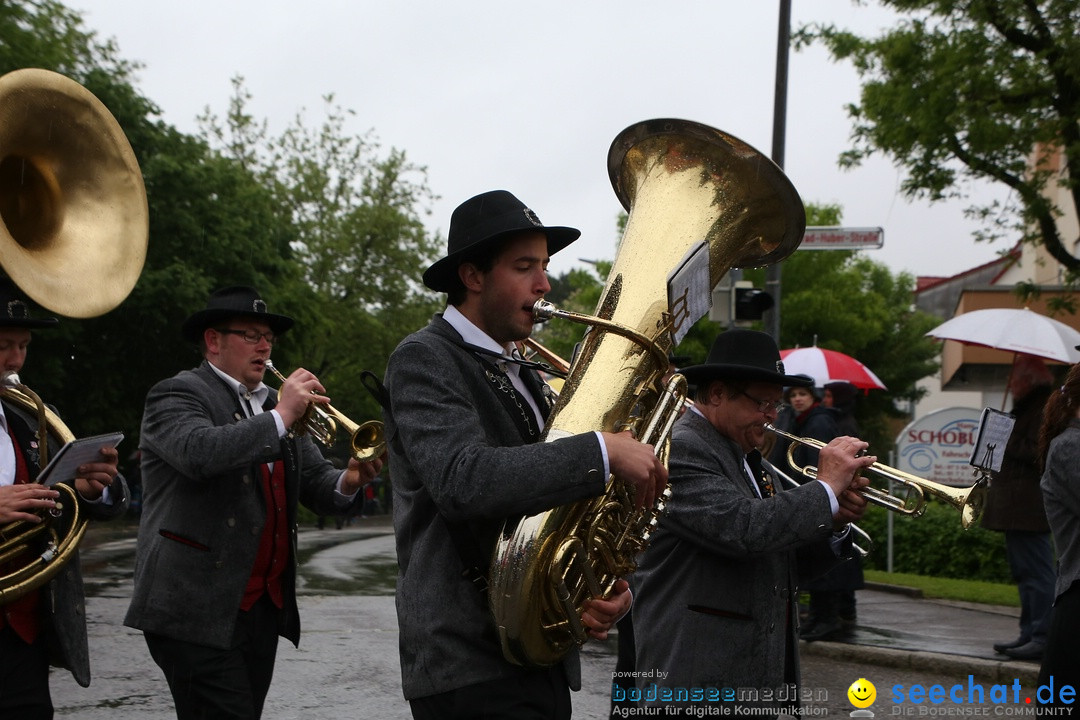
{"x": 74, "y": 225}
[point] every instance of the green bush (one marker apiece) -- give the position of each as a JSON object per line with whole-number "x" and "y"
{"x": 935, "y": 544}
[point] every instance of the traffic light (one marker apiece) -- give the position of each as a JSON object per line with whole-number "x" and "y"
{"x": 751, "y": 303}
{"x": 739, "y": 303}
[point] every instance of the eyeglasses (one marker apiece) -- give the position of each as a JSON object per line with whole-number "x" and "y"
{"x": 251, "y": 337}
{"x": 764, "y": 406}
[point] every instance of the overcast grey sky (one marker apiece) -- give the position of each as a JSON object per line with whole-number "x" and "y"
{"x": 528, "y": 96}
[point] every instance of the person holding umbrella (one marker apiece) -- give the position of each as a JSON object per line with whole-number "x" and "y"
{"x": 1014, "y": 506}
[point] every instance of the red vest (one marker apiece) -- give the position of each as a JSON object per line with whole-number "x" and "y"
{"x": 273, "y": 551}
{"x": 22, "y": 614}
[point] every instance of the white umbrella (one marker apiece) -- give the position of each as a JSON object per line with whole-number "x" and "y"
{"x": 1015, "y": 331}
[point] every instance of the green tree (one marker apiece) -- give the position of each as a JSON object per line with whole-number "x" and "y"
{"x": 964, "y": 91}
{"x": 845, "y": 301}
{"x": 212, "y": 223}
{"x": 356, "y": 218}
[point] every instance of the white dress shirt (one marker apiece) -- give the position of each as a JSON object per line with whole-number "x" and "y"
{"x": 475, "y": 336}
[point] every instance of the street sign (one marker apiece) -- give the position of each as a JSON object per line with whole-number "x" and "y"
{"x": 842, "y": 238}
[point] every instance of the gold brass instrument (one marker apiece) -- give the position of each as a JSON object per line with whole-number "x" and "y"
{"x": 868, "y": 542}
{"x": 44, "y": 547}
{"x": 682, "y": 183}
{"x": 72, "y": 200}
{"x": 73, "y": 234}
{"x": 969, "y": 501}
{"x": 366, "y": 440}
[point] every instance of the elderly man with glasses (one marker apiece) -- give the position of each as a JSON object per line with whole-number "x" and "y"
{"x": 715, "y": 615}
{"x": 222, "y": 473}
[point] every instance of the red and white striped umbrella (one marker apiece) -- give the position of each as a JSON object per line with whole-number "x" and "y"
{"x": 827, "y": 366}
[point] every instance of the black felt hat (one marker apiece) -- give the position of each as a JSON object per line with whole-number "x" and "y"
{"x": 481, "y": 220}
{"x": 235, "y": 301}
{"x": 739, "y": 354}
{"x": 15, "y": 310}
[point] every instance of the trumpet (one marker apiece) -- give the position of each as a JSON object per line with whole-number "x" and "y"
{"x": 969, "y": 501}
{"x": 868, "y": 542}
{"x": 366, "y": 440}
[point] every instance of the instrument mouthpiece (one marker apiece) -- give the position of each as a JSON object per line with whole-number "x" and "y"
{"x": 10, "y": 378}
{"x": 543, "y": 310}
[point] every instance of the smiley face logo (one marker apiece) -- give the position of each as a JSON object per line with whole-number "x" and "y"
{"x": 862, "y": 693}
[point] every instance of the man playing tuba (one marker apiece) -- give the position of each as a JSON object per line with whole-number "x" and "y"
{"x": 463, "y": 423}
{"x": 46, "y": 625}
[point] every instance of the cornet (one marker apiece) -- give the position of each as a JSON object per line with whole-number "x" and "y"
{"x": 969, "y": 501}
{"x": 864, "y": 550}
{"x": 366, "y": 442}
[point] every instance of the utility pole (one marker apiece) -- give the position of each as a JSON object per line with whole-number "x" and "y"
{"x": 783, "y": 40}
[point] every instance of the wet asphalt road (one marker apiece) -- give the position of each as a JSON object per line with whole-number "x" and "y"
{"x": 347, "y": 662}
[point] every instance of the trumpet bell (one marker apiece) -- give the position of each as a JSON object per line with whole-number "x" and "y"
{"x": 74, "y": 221}
{"x": 368, "y": 441}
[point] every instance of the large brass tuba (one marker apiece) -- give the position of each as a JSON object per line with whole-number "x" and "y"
{"x": 33, "y": 553}
{"x": 73, "y": 236}
{"x": 682, "y": 183}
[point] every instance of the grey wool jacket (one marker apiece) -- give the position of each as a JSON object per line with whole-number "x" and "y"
{"x": 715, "y": 593}
{"x": 456, "y": 456}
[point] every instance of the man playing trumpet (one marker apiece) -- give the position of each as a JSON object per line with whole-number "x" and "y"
{"x": 222, "y": 474}
{"x": 717, "y": 588}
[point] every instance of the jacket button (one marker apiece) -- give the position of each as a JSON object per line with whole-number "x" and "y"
{"x": 254, "y": 531}
{"x": 218, "y": 565}
{"x": 247, "y": 479}
{"x": 231, "y": 522}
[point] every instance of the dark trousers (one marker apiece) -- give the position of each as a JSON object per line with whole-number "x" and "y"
{"x": 213, "y": 684}
{"x": 1031, "y": 560}
{"x": 1061, "y": 661}
{"x": 528, "y": 694}
{"x": 24, "y": 678}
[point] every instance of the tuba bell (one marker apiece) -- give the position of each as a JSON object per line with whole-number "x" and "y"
{"x": 73, "y": 236}
{"x": 682, "y": 183}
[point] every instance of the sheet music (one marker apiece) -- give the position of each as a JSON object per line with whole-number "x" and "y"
{"x": 689, "y": 290}
{"x": 995, "y": 427}
{"x": 67, "y": 460}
